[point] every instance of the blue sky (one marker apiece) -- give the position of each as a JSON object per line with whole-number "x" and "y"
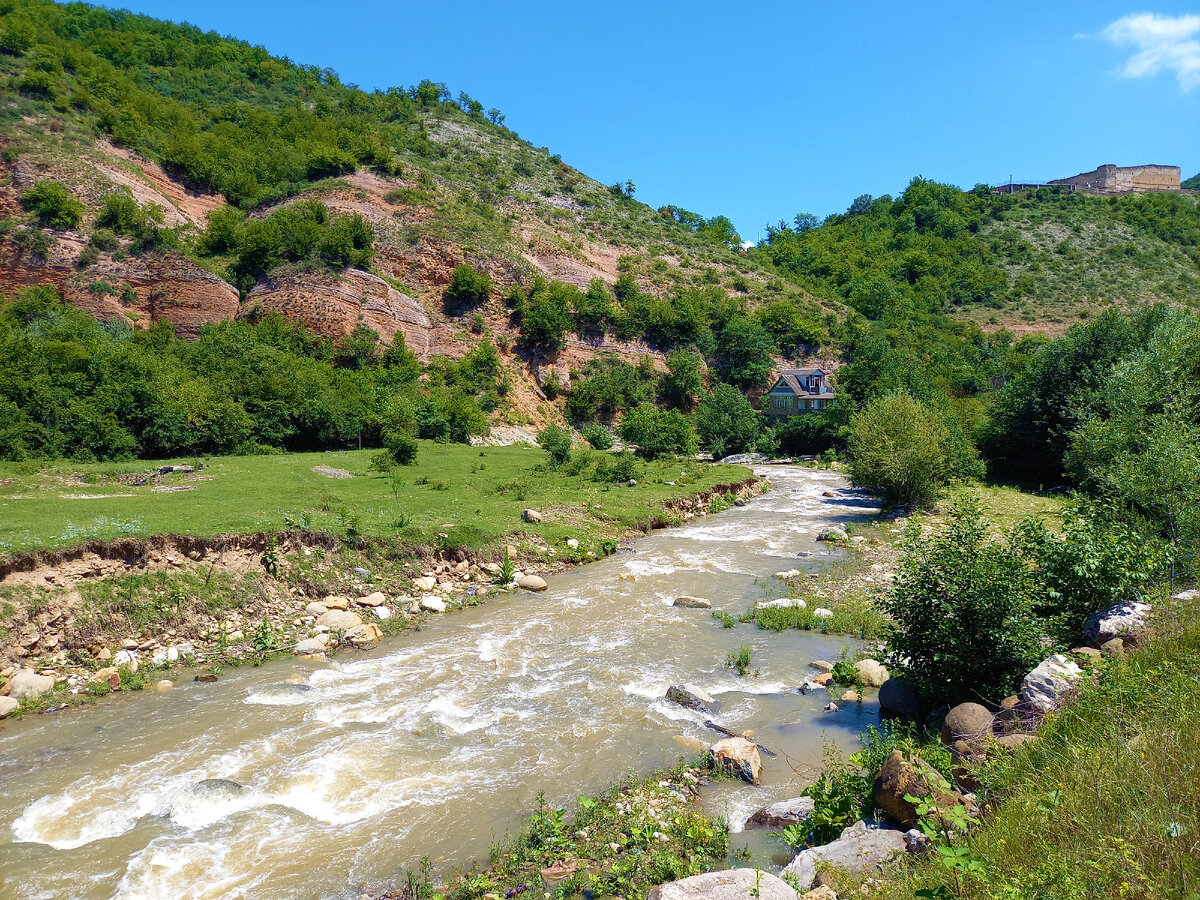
{"x": 764, "y": 110}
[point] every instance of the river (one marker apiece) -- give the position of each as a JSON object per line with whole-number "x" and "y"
{"x": 438, "y": 741}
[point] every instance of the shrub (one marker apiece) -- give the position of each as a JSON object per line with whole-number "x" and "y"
{"x": 898, "y": 448}
{"x": 401, "y": 447}
{"x": 963, "y": 611}
{"x": 556, "y": 441}
{"x": 52, "y": 204}
{"x": 468, "y": 287}
{"x": 658, "y": 432}
{"x": 598, "y": 436}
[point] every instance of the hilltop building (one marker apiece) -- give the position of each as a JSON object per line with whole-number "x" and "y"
{"x": 798, "y": 391}
{"x": 1110, "y": 179}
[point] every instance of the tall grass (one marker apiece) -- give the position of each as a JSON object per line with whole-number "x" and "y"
{"x": 1106, "y": 802}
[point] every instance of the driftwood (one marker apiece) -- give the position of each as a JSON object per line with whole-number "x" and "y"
{"x": 721, "y": 729}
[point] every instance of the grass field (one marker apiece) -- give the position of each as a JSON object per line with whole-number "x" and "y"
{"x": 455, "y": 495}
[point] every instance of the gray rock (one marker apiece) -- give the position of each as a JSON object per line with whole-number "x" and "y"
{"x": 833, "y": 533}
{"x": 433, "y": 604}
{"x": 1187, "y": 596}
{"x": 1044, "y": 687}
{"x": 316, "y": 610}
{"x": 692, "y": 603}
{"x": 744, "y": 459}
{"x": 28, "y": 684}
{"x": 312, "y": 646}
{"x": 782, "y": 603}
{"x": 337, "y": 618}
{"x": 872, "y": 672}
{"x": 692, "y": 697}
{"x": 738, "y": 756}
{"x": 731, "y": 884}
{"x": 899, "y": 697}
{"x": 376, "y": 598}
{"x": 1124, "y": 620}
{"x": 784, "y": 813}
{"x": 860, "y": 851}
{"x": 532, "y": 583}
{"x": 8, "y": 706}
{"x": 531, "y": 515}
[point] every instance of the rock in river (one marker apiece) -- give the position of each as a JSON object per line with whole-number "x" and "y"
{"x": 692, "y": 697}
{"x": 784, "y": 813}
{"x": 739, "y": 757}
{"x": 8, "y": 706}
{"x": 532, "y": 583}
{"x": 692, "y": 603}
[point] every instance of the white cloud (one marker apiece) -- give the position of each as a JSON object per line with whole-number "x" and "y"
{"x": 1162, "y": 43}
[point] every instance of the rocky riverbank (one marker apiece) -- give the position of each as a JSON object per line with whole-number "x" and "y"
{"x": 122, "y": 615}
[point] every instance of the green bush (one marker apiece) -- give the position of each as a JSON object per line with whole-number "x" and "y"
{"x": 468, "y": 287}
{"x": 898, "y": 449}
{"x": 963, "y": 611}
{"x": 658, "y": 432}
{"x": 598, "y": 436}
{"x": 556, "y": 441}
{"x": 401, "y": 447}
{"x": 52, "y": 205}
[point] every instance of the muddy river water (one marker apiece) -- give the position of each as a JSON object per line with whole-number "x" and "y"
{"x": 438, "y": 741}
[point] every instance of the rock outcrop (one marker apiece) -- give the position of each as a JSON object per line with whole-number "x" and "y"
{"x": 860, "y": 851}
{"x": 332, "y": 304}
{"x": 732, "y": 884}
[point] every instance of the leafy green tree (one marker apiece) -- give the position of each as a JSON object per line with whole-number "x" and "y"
{"x": 684, "y": 381}
{"x": 401, "y": 447}
{"x": 545, "y": 315}
{"x": 744, "y": 354}
{"x": 962, "y": 609}
{"x": 726, "y": 422}
{"x": 898, "y": 449}
{"x": 594, "y": 310}
{"x": 658, "y": 432}
{"x": 52, "y": 205}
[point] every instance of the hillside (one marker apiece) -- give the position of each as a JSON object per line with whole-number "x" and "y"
{"x": 1035, "y": 260}
{"x": 210, "y": 130}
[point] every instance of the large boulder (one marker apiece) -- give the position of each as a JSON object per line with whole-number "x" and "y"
{"x": 732, "y": 884}
{"x": 899, "y": 697}
{"x": 1045, "y": 686}
{"x": 373, "y": 599}
{"x": 833, "y": 533}
{"x": 900, "y": 778}
{"x": 872, "y": 672}
{"x": 784, "y": 813}
{"x": 1124, "y": 620}
{"x": 314, "y": 646}
{"x": 737, "y": 756}
{"x": 532, "y": 583}
{"x": 8, "y": 706}
{"x": 860, "y": 851}
{"x": 430, "y": 603}
{"x": 338, "y": 619}
{"x": 692, "y": 697}
{"x": 692, "y": 603}
{"x": 27, "y": 684}
{"x": 968, "y": 722}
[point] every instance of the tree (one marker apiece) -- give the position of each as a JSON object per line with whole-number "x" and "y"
{"x": 556, "y": 441}
{"x": 684, "y": 381}
{"x": 468, "y": 287}
{"x": 726, "y": 422}
{"x": 961, "y": 607}
{"x": 744, "y": 353}
{"x": 657, "y": 432}
{"x": 545, "y": 316}
{"x": 898, "y": 449}
{"x": 52, "y": 204}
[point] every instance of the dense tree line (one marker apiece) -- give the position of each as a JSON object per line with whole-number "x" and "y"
{"x": 72, "y": 386}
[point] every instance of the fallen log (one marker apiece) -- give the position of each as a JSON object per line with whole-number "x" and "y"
{"x": 721, "y": 729}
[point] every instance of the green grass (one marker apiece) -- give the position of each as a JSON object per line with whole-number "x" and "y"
{"x": 454, "y": 496}
{"x": 1104, "y": 803}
